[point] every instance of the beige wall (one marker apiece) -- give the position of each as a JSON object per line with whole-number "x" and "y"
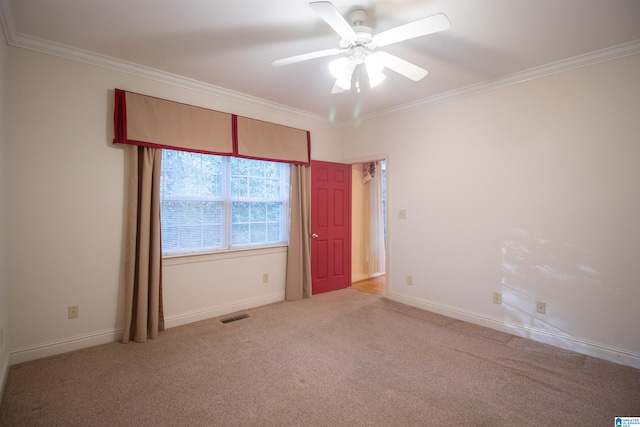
{"x": 4, "y": 351}
{"x": 530, "y": 190}
{"x": 66, "y": 204}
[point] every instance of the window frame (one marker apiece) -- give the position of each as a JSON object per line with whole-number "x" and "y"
{"x": 227, "y": 221}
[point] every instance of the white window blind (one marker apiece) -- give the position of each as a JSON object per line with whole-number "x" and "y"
{"x": 213, "y": 203}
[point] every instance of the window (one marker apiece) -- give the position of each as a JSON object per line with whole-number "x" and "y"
{"x": 213, "y": 203}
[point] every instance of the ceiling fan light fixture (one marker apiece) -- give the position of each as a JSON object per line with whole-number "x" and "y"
{"x": 374, "y": 64}
{"x": 338, "y": 67}
{"x": 375, "y": 78}
{"x": 345, "y": 81}
{"x": 374, "y": 67}
{"x": 342, "y": 70}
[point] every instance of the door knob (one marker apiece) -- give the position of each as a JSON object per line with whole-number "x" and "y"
{"x": 314, "y": 235}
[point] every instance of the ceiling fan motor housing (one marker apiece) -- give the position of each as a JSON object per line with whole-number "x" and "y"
{"x": 364, "y": 38}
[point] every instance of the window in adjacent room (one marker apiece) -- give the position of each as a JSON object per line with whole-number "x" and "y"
{"x": 212, "y": 203}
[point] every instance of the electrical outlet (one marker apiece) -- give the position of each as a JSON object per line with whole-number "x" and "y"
{"x": 265, "y": 277}
{"x": 73, "y": 312}
{"x": 541, "y": 307}
{"x": 497, "y": 298}
{"x": 409, "y": 280}
{"x": 402, "y": 213}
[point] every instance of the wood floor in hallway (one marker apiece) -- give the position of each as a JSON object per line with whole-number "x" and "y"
{"x": 374, "y": 285}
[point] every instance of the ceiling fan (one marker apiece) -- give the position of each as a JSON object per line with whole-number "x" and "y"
{"x": 358, "y": 43}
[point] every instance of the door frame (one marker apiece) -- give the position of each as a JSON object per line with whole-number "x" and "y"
{"x": 375, "y": 158}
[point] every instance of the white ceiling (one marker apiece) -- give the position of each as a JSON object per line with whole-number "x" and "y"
{"x": 230, "y": 44}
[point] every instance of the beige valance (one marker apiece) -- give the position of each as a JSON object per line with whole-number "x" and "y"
{"x": 154, "y": 122}
{"x": 269, "y": 141}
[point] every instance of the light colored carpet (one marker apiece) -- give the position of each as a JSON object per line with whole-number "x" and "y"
{"x": 343, "y": 358}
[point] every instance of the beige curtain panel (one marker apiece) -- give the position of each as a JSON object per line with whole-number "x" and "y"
{"x": 298, "y": 282}
{"x": 144, "y": 316}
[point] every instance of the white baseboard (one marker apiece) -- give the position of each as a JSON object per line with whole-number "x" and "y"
{"x": 65, "y": 345}
{"x": 221, "y": 310}
{"x": 52, "y": 348}
{"x": 598, "y": 350}
{"x": 601, "y": 351}
{"x": 4, "y": 371}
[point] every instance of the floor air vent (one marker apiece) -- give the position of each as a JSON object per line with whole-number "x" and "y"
{"x": 234, "y": 318}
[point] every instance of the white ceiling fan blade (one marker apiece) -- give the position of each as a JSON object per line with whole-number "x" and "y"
{"x": 401, "y": 66}
{"x": 305, "y": 56}
{"x": 331, "y": 16}
{"x": 421, "y": 27}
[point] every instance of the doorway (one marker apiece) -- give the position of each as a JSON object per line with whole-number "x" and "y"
{"x": 368, "y": 227}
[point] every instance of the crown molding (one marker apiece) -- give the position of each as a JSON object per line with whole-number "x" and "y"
{"x": 56, "y": 49}
{"x": 626, "y": 49}
{"x": 48, "y": 47}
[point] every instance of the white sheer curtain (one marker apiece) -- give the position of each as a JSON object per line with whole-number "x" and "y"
{"x": 374, "y": 227}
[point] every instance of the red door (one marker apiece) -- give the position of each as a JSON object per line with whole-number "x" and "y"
{"x": 330, "y": 226}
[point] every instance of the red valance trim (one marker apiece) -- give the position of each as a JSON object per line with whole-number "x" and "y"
{"x": 309, "y": 148}
{"x": 119, "y": 117}
{"x": 234, "y": 133}
{"x": 169, "y": 147}
{"x": 266, "y": 159}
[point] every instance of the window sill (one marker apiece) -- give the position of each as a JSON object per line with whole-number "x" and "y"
{"x": 190, "y": 258}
